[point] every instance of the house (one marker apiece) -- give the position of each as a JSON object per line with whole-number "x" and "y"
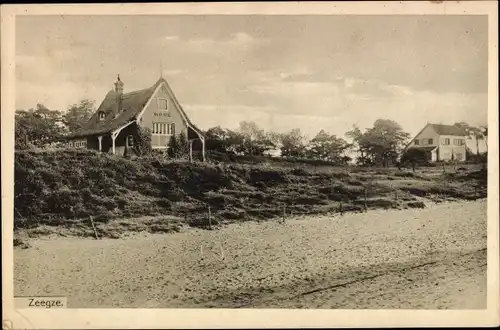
{"x": 114, "y": 127}
{"x": 441, "y": 142}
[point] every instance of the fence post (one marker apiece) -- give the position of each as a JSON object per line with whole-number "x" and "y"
{"x": 221, "y": 252}
{"x": 93, "y": 227}
{"x": 209, "y": 218}
{"x": 341, "y": 209}
{"x": 366, "y": 205}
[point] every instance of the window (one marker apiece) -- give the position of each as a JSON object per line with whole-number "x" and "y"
{"x": 430, "y": 141}
{"x": 163, "y": 129}
{"x": 78, "y": 144}
{"x": 157, "y": 128}
{"x": 459, "y": 156}
{"x": 446, "y": 142}
{"x": 458, "y": 142}
{"x": 130, "y": 141}
{"x": 162, "y": 104}
{"x": 102, "y": 115}
{"x": 417, "y": 142}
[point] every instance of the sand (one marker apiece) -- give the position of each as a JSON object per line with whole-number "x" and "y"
{"x": 430, "y": 258}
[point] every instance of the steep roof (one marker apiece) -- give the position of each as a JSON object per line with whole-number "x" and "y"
{"x": 132, "y": 105}
{"x": 448, "y": 130}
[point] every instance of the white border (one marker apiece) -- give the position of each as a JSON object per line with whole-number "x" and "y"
{"x": 224, "y": 318}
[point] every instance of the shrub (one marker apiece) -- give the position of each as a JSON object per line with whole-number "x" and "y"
{"x": 21, "y": 242}
{"x": 418, "y": 204}
{"x": 178, "y": 146}
{"x": 143, "y": 141}
{"x": 405, "y": 174}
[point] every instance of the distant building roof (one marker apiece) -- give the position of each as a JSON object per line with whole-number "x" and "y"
{"x": 132, "y": 104}
{"x": 448, "y": 130}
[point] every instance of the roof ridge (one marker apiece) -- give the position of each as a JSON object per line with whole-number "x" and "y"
{"x": 442, "y": 124}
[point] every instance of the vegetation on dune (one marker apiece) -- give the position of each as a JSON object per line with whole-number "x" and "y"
{"x": 66, "y": 187}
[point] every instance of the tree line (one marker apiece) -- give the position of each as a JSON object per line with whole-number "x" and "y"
{"x": 40, "y": 126}
{"x": 381, "y": 144}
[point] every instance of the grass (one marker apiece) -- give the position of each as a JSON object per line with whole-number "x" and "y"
{"x": 60, "y": 190}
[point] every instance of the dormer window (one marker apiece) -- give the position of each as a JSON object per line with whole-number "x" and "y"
{"x": 102, "y": 115}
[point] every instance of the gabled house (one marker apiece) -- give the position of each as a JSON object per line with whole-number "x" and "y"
{"x": 115, "y": 125}
{"x": 441, "y": 142}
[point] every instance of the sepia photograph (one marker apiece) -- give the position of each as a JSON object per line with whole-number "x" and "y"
{"x": 244, "y": 161}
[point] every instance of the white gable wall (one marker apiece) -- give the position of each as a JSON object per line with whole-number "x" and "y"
{"x": 424, "y": 136}
{"x": 153, "y": 114}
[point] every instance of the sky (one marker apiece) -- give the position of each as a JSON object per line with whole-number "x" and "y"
{"x": 283, "y": 72}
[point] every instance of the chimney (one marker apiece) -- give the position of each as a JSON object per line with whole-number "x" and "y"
{"x": 119, "y": 94}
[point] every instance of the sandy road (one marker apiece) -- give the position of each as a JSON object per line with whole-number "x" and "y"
{"x": 431, "y": 258}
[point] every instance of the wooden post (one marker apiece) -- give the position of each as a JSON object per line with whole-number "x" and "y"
{"x": 203, "y": 148}
{"x": 93, "y": 226}
{"x": 113, "y": 138}
{"x": 190, "y": 151}
{"x": 209, "y": 218}
{"x": 100, "y": 142}
{"x": 366, "y": 205}
{"x": 341, "y": 208}
{"x": 284, "y": 214}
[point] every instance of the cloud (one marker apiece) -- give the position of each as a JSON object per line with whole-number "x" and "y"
{"x": 282, "y": 73}
{"x": 172, "y": 72}
{"x": 229, "y": 115}
{"x": 171, "y": 38}
{"x": 236, "y": 42}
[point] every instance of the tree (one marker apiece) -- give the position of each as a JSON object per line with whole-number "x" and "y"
{"x": 218, "y": 139}
{"x": 37, "y": 127}
{"x": 78, "y": 114}
{"x": 380, "y": 144}
{"x": 475, "y": 133}
{"x": 384, "y": 141}
{"x": 292, "y": 144}
{"x": 484, "y": 130}
{"x": 183, "y": 146}
{"x": 358, "y": 143}
{"x": 328, "y": 147}
{"x": 178, "y": 146}
{"x": 254, "y": 141}
{"x": 173, "y": 146}
{"x": 143, "y": 141}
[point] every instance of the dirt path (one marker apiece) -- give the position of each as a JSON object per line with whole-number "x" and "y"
{"x": 431, "y": 258}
